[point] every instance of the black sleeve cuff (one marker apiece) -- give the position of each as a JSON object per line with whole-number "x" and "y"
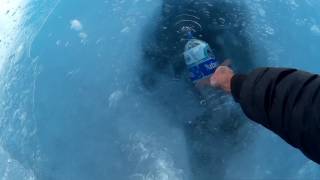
{"x": 236, "y": 85}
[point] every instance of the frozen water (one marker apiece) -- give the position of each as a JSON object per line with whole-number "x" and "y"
{"x": 76, "y": 25}
{"x": 94, "y": 90}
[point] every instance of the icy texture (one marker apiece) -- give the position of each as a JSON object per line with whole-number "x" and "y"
{"x": 73, "y": 105}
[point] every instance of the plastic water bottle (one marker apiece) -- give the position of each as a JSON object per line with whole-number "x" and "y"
{"x": 200, "y": 60}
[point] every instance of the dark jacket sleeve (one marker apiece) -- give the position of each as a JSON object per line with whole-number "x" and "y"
{"x": 286, "y": 101}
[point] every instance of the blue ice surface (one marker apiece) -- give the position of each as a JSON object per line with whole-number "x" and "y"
{"x": 73, "y": 107}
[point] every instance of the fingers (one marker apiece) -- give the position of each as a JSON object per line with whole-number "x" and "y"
{"x": 222, "y": 69}
{"x": 222, "y": 78}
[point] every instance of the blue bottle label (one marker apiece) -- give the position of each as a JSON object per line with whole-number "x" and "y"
{"x": 203, "y": 69}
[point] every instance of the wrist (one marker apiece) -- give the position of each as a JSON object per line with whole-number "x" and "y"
{"x": 236, "y": 85}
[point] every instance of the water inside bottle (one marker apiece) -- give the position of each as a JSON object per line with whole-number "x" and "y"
{"x": 200, "y": 61}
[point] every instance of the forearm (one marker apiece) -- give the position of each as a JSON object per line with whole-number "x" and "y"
{"x": 236, "y": 85}
{"x": 285, "y": 101}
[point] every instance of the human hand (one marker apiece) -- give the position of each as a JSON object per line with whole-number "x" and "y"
{"x": 222, "y": 78}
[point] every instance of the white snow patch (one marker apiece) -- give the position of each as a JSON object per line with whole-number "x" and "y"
{"x": 269, "y": 30}
{"x": 115, "y": 97}
{"x": 83, "y": 35}
{"x": 11, "y": 22}
{"x": 76, "y": 25}
{"x": 125, "y": 30}
{"x": 315, "y": 29}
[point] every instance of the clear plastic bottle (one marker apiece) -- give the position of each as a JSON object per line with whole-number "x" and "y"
{"x": 200, "y": 60}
